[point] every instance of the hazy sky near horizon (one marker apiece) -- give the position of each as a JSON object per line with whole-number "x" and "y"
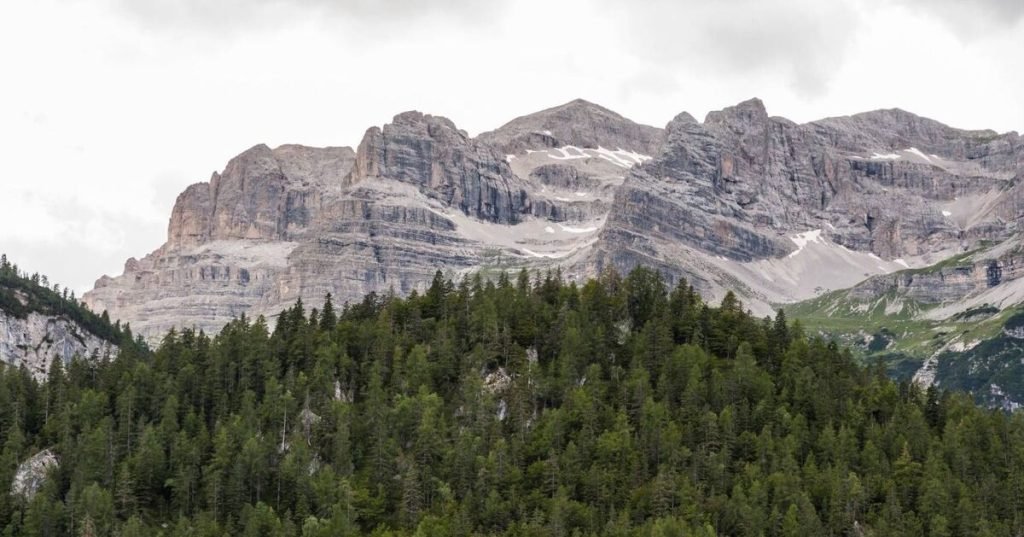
{"x": 109, "y": 108}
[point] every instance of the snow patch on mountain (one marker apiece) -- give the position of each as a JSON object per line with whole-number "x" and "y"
{"x": 803, "y": 239}
{"x": 817, "y": 266}
{"x": 885, "y": 156}
{"x": 917, "y": 152}
{"x": 619, "y": 157}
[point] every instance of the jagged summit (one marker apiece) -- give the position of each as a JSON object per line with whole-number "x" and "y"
{"x": 433, "y": 155}
{"x": 417, "y": 118}
{"x": 577, "y": 123}
{"x": 746, "y": 111}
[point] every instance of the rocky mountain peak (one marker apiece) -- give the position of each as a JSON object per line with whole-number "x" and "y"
{"x": 258, "y": 158}
{"x": 190, "y": 218}
{"x": 739, "y": 117}
{"x": 897, "y": 129}
{"x": 580, "y": 107}
{"x": 326, "y": 166}
{"x": 431, "y": 153}
{"x": 434, "y": 126}
{"x": 577, "y": 123}
{"x": 683, "y": 118}
{"x": 262, "y": 194}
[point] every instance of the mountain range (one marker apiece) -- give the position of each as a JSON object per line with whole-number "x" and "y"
{"x": 893, "y": 231}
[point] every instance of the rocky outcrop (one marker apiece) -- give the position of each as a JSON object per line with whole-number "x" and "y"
{"x": 262, "y": 194}
{"x": 947, "y": 282}
{"x": 728, "y": 203}
{"x": 1016, "y": 333}
{"x": 200, "y": 287}
{"x": 31, "y": 474}
{"x": 35, "y": 341}
{"x": 445, "y": 164}
{"x": 417, "y": 195}
{"x": 987, "y": 279}
{"x": 742, "y": 183}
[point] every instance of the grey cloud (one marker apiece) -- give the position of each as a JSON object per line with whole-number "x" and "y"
{"x": 229, "y": 16}
{"x": 88, "y": 243}
{"x": 802, "y": 40}
{"x": 972, "y": 19}
{"x": 75, "y": 264}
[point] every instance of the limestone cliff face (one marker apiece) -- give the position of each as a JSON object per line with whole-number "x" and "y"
{"x": 37, "y": 340}
{"x": 728, "y": 203}
{"x": 262, "y": 194}
{"x": 445, "y": 164}
{"x": 947, "y": 284}
{"x": 417, "y": 195}
{"x": 741, "y": 183}
{"x": 228, "y": 240}
{"x": 990, "y": 272}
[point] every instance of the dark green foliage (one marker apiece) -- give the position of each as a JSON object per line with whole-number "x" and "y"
{"x": 976, "y": 313}
{"x": 1015, "y": 323}
{"x": 881, "y": 340}
{"x": 990, "y": 370}
{"x": 525, "y": 406}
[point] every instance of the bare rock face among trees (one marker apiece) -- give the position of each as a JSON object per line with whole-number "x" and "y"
{"x": 776, "y": 210}
{"x": 31, "y": 474}
{"x": 36, "y": 340}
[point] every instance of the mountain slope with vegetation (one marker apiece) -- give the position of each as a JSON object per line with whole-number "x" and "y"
{"x": 951, "y": 323}
{"x": 525, "y": 406}
{"x": 39, "y": 323}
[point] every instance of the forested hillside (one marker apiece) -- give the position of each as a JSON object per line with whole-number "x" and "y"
{"x": 522, "y": 407}
{"x": 22, "y": 294}
{"x": 40, "y": 324}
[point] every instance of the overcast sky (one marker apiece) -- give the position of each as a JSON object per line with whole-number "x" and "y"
{"x": 109, "y": 108}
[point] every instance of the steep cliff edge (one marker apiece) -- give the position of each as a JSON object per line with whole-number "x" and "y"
{"x": 778, "y": 211}
{"x": 744, "y": 188}
{"x": 38, "y": 325}
{"x": 416, "y": 196}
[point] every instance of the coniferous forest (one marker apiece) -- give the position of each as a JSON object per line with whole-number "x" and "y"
{"x": 524, "y": 406}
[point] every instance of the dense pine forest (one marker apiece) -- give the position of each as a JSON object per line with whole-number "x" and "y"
{"x": 524, "y": 406}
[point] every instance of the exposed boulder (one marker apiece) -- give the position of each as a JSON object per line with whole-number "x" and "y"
{"x": 32, "y": 473}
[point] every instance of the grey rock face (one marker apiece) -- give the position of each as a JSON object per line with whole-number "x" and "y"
{"x": 38, "y": 339}
{"x": 991, "y": 272}
{"x": 31, "y": 474}
{"x": 261, "y": 195}
{"x": 200, "y": 287}
{"x": 741, "y": 183}
{"x": 945, "y": 284}
{"x": 582, "y": 188}
{"x": 564, "y": 176}
{"x": 229, "y": 240}
{"x": 417, "y": 195}
{"x": 444, "y": 163}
